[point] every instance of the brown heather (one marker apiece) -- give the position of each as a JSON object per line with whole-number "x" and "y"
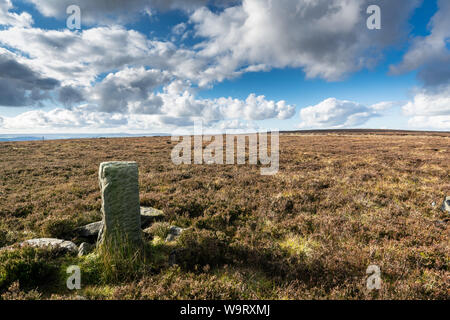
{"x": 340, "y": 202}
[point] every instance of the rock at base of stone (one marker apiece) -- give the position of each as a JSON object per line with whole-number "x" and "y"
{"x": 446, "y": 205}
{"x": 90, "y": 231}
{"x": 49, "y": 243}
{"x": 149, "y": 216}
{"x": 84, "y": 249}
{"x": 120, "y": 204}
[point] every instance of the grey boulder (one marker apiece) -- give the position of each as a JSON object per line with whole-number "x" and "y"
{"x": 91, "y": 230}
{"x": 150, "y": 215}
{"x": 63, "y": 246}
{"x": 446, "y": 205}
{"x": 174, "y": 233}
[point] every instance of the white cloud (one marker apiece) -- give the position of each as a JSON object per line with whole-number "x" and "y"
{"x": 177, "y": 109}
{"x": 78, "y": 58}
{"x": 430, "y": 122}
{"x": 179, "y": 29}
{"x": 427, "y": 103}
{"x": 8, "y": 18}
{"x": 328, "y": 39}
{"x": 180, "y": 102}
{"x": 334, "y": 113}
{"x": 107, "y": 11}
{"x": 430, "y": 109}
{"x": 20, "y": 85}
{"x": 129, "y": 89}
{"x": 57, "y": 119}
{"x": 431, "y": 55}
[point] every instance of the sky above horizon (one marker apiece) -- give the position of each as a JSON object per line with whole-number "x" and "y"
{"x": 153, "y": 66}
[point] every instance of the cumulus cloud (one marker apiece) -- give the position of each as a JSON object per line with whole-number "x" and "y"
{"x": 8, "y": 18}
{"x": 70, "y": 96}
{"x": 130, "y": 88}
{"x": 78, "y": 58}
{"x": 94, "y": 12}
{"x": 431, "y": 54}
{"x": 328, "y": 39}
{"x": 430, "y": 109}
{"x": 334, "y": 113}
{"x": 107, "y": 11}
{"x": 430, "y": 122}
{"x": 181, "y": 102}
{"x": 429, "y": 103}
{"x": 78, "y": 117}
{"x": 20, "y": 85}
{"x": 177, "y": 109}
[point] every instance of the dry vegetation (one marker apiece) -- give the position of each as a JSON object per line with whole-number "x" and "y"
{"x": 339, "y": 203}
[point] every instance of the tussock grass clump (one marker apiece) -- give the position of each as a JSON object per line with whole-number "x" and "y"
{"x": 121, "y": 260}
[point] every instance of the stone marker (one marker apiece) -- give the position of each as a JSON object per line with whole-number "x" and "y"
{"x": 120, "y": 203}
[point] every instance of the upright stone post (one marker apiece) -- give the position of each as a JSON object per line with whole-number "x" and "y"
{"x": 120, "y": 203}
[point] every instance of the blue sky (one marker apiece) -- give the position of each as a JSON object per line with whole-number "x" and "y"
{"x": 146, "y": 66}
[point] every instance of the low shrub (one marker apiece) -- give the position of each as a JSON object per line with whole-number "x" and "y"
{"x": 159, "y": 229}
{"x": 14, "y": 293}
{"x": 3, "y": 238}
{"x": 60, "y": 228}
{"x": 31, "y": 267}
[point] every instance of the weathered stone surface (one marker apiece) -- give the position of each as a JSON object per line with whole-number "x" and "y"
{"x": 120, "y": 202}
{"x": 174, "y": 233}
{"x": 150, "y": 215}
{"x": 50, "y": 243}
{"x": 91, "y": 230}
{"x": 446, "y": 205}
{"x": 84, "y": 249}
